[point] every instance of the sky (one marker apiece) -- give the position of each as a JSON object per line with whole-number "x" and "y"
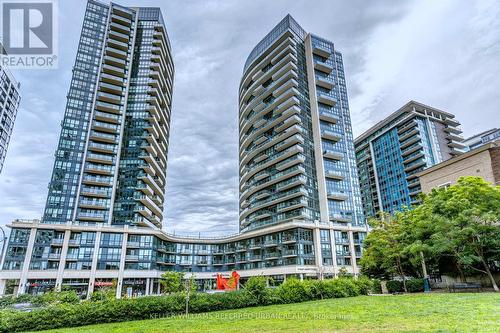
{"x": 442, "y": 53}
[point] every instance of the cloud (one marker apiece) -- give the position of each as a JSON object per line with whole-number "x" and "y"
{"x": 441, "y": 53}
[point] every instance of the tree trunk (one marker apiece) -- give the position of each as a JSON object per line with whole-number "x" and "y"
{"x": 488, "y": 272}
{"x": 400, "y": 268}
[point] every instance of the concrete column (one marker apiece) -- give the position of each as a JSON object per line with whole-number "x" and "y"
{"x": 159, "y": 287}
{"x": 119, "y": 285}
{"x": 62, "y": 260}
{"x": 24, "y": 273}
{"x": 93, "y": 268}
{"x": 2, "y": 286}
{"x": 334, "y": 252}
{"x": 317, "y": 248}
{"x": 316, "y": 130}
{"x": 148, "y": 281}
{"x": 353, "y": 254}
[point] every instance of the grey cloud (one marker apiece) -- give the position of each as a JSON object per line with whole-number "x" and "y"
{"x": 441, "y": 53}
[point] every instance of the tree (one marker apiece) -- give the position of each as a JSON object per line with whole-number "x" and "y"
{"x": 385, "y": 252}
{"x": 465, "y": 219}
{"x": 460, "y": 223}
{"x": 172, "y": 282}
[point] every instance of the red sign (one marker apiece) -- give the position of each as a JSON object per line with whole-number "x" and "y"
{"x": 103, "y": 284}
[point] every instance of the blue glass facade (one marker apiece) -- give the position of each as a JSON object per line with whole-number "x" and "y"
{"x": 392, "y": 153}
{"x": 110, "y": 163}
{"x": 9, "y": 103}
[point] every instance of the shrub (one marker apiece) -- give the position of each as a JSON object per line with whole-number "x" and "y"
{"x": 365, "y": 285}
{"x": 293, "y": 291}
{"x": 63, "y": 313}
{"x": 256, "y": 288}
{"x": 376, "y": 287}
{"x": 415, "y": 285}
{"x": 394, "y": 286}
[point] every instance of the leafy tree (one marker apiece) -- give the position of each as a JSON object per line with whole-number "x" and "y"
{"x": 466, "y": 223}
{"x": 172, "y": 282}
{"x": 386, "y": 252}
{"x": 460, "y": 223}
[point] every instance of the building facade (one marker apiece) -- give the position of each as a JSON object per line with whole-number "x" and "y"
{"x": 9, "y": 104}
{"x": 296, "y": 146}
{"x": 102, "y": 222}
{"x": 483, "y": 161}
{"x": 482, "y": 138}
{"x": 391, "y": 154}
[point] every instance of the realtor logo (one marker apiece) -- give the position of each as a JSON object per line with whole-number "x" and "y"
{"x": 29, "y": 33}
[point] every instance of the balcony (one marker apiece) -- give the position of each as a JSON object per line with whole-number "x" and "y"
{"x": 321, "y": 51}
{"x": 131, "y": 257}
{"x": 110, "y": 98}
{"x": 326, "y": 99}
{"x": 94, "y": 217}
{"x": 103, "y": 137}
{"x": 330, "y": 135}
{"x": 289, "y": 162}
{"x": 119, "y": 36}
{"x": 293, "y": 182}
{"x": 291, "y": 205}
{"x": 121, "y": 20}
{"x": 107, "y": 107}
{"x": 57, "y": 241}
{"x": 99, "y": 158}
{"x": 114, "y": 61}
{"x": 408, "y": 134}
{"x": 287, "y": 239}
{"x": 456, "y": 144}
{"x": 261, "y": 175}
{"x": 113, "y": 70}
{"x": 328, "y": 117}
{"x": 123, "y": 29}
{"x": 107, "y": 117}
{"x": 98, "y": 169}
{"x": 339, "y": 218}
{"x": 271, "y": 256}
{"x": 93, "y": 192}
{"x": 451, "y": 122}
{"x": 336, "y": 175}
{"x": 414, "y": 165}
{"x": 112, "y": 78}
{"x": 323, "y": 67}
{"x": 337, "y": 196}
{"x": 54, "y": 256}
{"x": 330, "y": 154}
{"x": 324, "y": 82}
{"x": 289, "y": 253}
{"x": 98, "y": 181}
{"x": 123, "y": 46}
{"x": 454, "y": 130}
{"x": 93, "y": 204}
{"x": 112, "y": 52}
{"x": 105, "y": 127}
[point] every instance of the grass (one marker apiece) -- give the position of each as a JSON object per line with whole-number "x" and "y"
{"x": 435, "y": 312}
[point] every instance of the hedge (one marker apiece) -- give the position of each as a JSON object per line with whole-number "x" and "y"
{"x": 254, "y": 293}
{"x": 413, "y": 285}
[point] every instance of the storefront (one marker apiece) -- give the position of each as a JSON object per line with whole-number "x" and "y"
{"x": 36, "y": 287}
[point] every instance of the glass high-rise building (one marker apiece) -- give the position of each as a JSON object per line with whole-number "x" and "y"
{"x": 111, "y": 160}
{"x": 301, "y": 211}
{"x": 392, "y": 152}
{"x": 9, "y": 104}
{"x": 296, "y": 146}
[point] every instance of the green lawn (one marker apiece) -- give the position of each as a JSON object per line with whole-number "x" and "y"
{"x": 440, "y": 312}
